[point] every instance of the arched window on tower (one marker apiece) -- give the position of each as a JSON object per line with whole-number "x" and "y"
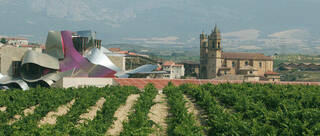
{"x": 246, "y": 63}
{"x": 218, "y": 45}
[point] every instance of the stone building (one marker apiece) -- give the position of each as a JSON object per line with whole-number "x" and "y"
{"x": 191, "y": 69}
{"x": 215, "y": 63}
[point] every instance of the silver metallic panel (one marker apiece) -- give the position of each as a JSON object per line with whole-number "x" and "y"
{"x": 97, "y": 57}
{"x": 144, "y": 68}
{"x": 6, "y": 81}
{"x": 36, "y": 65}
{"x": 40, "y": 59}
{"x": 54, "y": 46}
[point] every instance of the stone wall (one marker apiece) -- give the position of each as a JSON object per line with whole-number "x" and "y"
{"x": 119, "y": 61}
{"x": 265, "y": 66}
{"x": 9, "y": 54}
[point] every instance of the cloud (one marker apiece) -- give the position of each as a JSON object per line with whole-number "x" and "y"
{"x": 291, "y": 34}
{"x": 249, "y": 34}
{"x": 288, "y": 39}
{"x": 317, "y": 47}
{"x": 82, "y": 10}
{"x": 295, "y": 37}
{"x": 30, "y": 22}
{"x": 169, "y": 40}
{"x": 249, "y": 47}
{"x": 245, "y": 47}
{"x": 191, "y": 40}
{"x": 26, "y": 35}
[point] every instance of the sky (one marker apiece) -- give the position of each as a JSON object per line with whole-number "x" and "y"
{"x": 247, "y": 25}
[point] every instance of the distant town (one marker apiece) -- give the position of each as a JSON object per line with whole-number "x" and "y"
{"x": 27, "y": 64}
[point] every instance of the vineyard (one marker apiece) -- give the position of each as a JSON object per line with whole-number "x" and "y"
{"x": 190, "y": 110}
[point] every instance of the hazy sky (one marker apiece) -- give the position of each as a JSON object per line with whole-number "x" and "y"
{"x": 254, "y": 22}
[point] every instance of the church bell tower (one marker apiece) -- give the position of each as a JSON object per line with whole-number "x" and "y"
{"x": 210, "y": 55}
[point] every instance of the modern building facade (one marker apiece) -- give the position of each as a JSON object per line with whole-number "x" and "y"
{"x": 11, "y": 58}
{"x": 214, "y": 62}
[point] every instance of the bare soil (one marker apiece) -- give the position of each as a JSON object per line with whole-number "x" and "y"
{"x": 158, "y": 114}
{"x": 52, "y": 116}
{"x": 122, "y": 115}
{"x": 199, "y": 113}
{"x": 26, "y": 112}
{"x": 92, "y": 111}
{"x": 3, "y": 109}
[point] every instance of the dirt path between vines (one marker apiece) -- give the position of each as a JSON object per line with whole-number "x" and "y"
{"x": 158, "y": 114}
{"x": 92, "y": 111}
{"x": 196, "y": 111}
{"x": 26, "y": 112}
{"x": 3, "y": 109}
{"x": 52, "y": 116}
{"x": 122, "y": 114}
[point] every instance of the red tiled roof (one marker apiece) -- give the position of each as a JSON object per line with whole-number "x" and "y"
{"x": 271, "y": 73}
{"x": 246, "y": 56}
{"x": 171, "y": 63}
{"x": 114, "y": 49}
{"x": 132, "y": 53}
{"x": 27, "y": 46}
{"x": 123, "y": 52}
{"x": 168, "y": 63}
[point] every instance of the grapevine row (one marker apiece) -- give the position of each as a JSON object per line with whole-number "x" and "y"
{"x": 138, "y": 123}
{"x": 180, "y": 121}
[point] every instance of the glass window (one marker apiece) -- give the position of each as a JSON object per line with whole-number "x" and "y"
{"x": 246, "y": 63}
{"x": 260, "y": 64}
{"x": 233, "y": 64}
{"x": 16, "y": 68}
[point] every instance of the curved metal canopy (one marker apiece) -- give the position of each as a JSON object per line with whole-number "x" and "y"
{"x": 8, "y": 81}
{"x": 35, "y": 66}
{"x": 97, "y": 57}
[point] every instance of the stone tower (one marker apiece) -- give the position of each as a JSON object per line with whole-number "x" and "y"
{"x": 203, "y": 55}
{"x": 210, "y": 54}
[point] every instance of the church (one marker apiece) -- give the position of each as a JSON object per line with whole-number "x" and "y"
{"x": 215, "y": 63}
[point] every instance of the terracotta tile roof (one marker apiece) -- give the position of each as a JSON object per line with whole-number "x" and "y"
{"x": 246, "y": 56}
{"x": 115, "y": 49}
{"x": 132, "y": 53}
{"x": 123, "y": 52}
{"x": 271, "y": 73}
{"x": 171, "y": 63}
{"x": 168, "y": 63}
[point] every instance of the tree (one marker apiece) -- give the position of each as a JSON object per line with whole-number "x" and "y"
{"x": 3, "y": 40}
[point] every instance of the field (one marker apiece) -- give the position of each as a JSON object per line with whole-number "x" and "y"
{"x": 224, "y": 109}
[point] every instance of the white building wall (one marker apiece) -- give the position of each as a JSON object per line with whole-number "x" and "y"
{"x": 175, "y": 71}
